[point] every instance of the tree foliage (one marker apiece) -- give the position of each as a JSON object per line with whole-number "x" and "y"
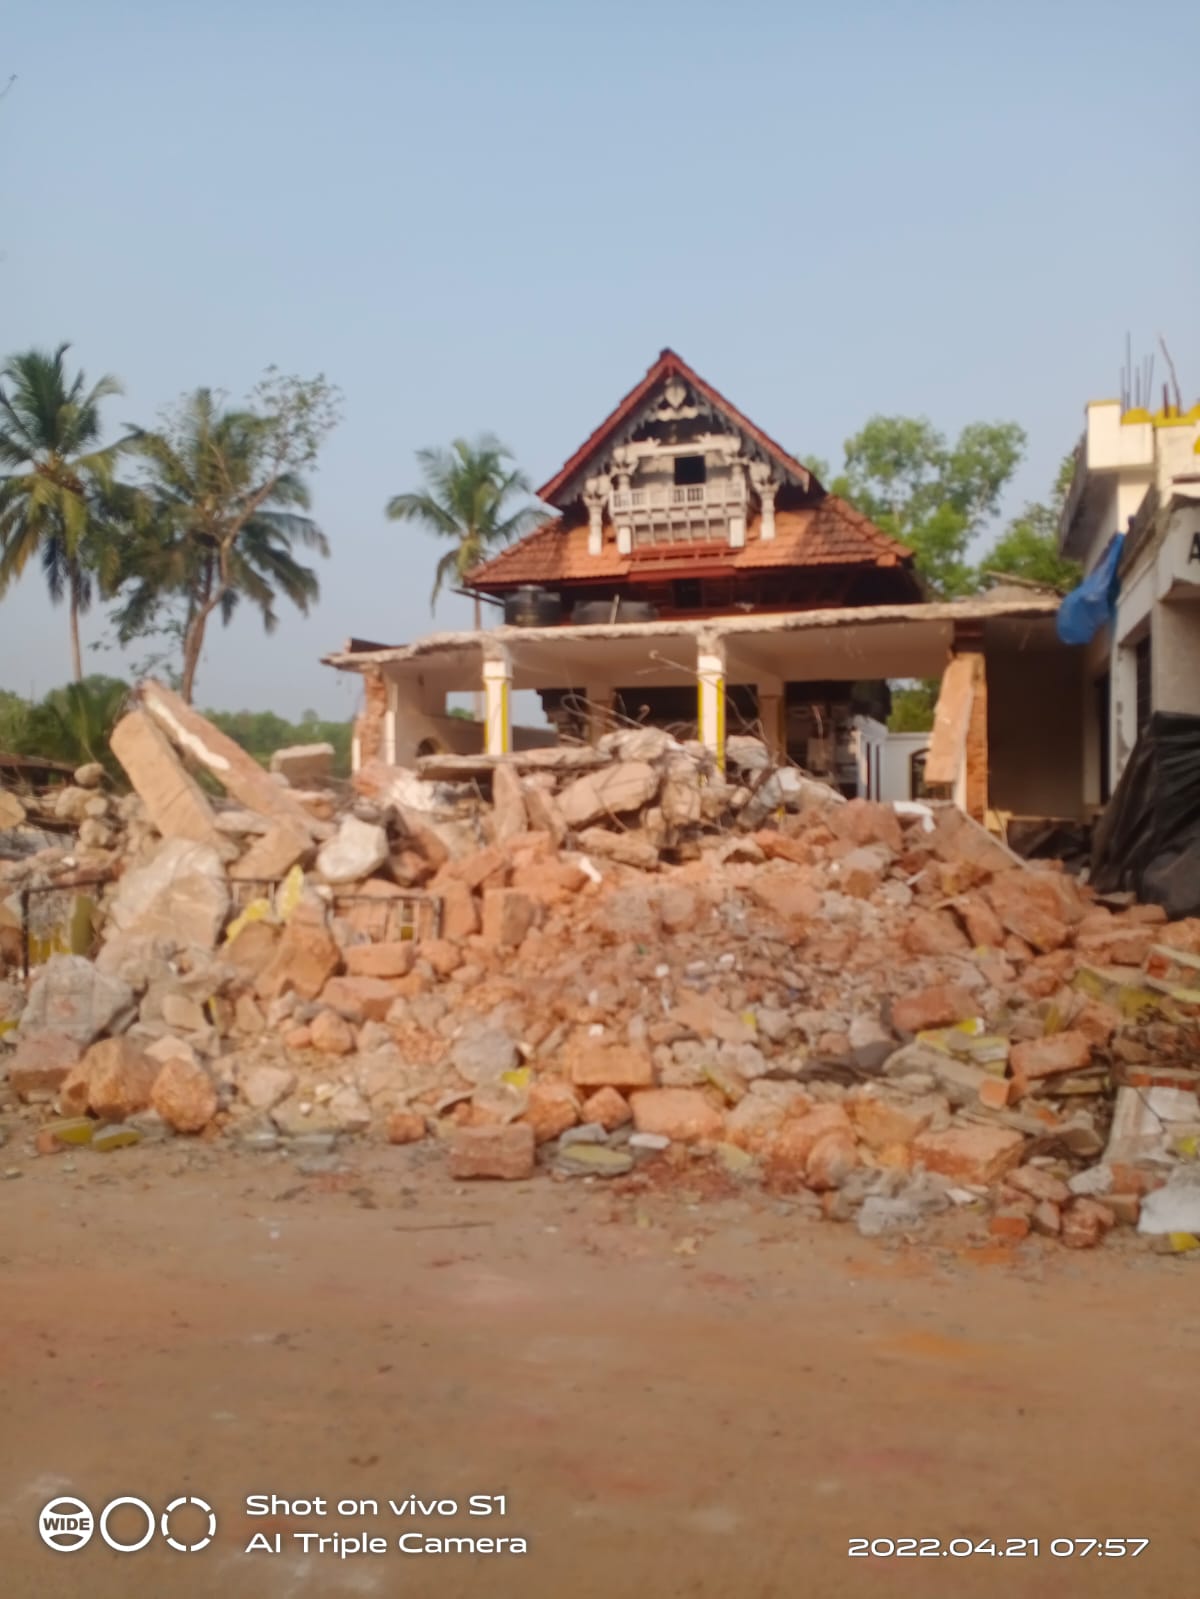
{"x": 913, "y": 706}
{"x": 222, "y": 514}
{"x": 261, "y": 733}
{"x": 72, "y": 724}
{"x": 1028, "y": 547}
{"x": 59, "y": 502}
{"x": 933, "y": 495}
{"x": 468, "y": 499}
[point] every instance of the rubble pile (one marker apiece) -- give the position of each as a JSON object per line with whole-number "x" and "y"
{"x": 611, "y": 963}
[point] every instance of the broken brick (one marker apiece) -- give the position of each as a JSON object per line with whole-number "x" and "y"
{"x": 684, "y": 1115}
{"x": 594, "y": 1063}
{"x": 1045, "y": 1057}
{"x": 1085, "y": 1224}
{"x": 381, "y": 960}
{"x": 508, "y": 914}
{"x": 502, "y": 1151}
{"x": 969, "y": 1154}
{"x": 939, "y": 1006}
{"x": 934, "y": 933}
{"x": 552, "y": 1107}
{"x": 1010, "y": 1224}
{"x": 606, "y": 1108}
{"x": 405, "y": 1127}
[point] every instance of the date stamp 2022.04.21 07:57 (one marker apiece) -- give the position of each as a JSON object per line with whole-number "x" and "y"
{"x": 997, "y": 1548}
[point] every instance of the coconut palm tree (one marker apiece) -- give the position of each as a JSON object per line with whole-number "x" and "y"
{"x": 466, "y": 498}
{"x": 58, "y": 498}
{"x": 217, "y": 525}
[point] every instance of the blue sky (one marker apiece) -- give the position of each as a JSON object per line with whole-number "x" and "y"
{"x": 474, "y": 216}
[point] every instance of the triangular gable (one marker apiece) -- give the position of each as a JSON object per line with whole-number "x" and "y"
{"x": 567, "y": 483}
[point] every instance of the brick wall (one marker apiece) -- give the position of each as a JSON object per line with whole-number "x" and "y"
{"x": 368, "y": 725}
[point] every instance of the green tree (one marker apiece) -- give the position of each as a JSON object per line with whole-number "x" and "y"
{"x": 467, "y": 499}
{"x": 58, "y": 498}
{"x": 72, "y": 724}
{"x": 913, "y": 706}
{"x": 261, "y": 733}
{"x": 1028, "y": 547}
{"x": 222, "y": 514}
{"x": 932, "y": 495}
{"x": 832, "y": 482}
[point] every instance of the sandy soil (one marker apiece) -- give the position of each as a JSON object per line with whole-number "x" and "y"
{"x": 675, "y": 1398}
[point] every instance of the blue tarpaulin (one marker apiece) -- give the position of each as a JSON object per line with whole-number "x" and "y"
{"x": 1093, "y": 604}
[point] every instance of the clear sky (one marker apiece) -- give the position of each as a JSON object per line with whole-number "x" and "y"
{"x": 493, "y": 216}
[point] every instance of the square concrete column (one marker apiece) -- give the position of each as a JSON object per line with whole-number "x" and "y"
{"x": 710, "y": 672}
{"x": 600, "y": 698}
{"x": 497, "y": 707}
{"x": 772, "y": 715}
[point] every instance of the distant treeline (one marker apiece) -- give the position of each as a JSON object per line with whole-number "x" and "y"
{"x": 72, "y": 724}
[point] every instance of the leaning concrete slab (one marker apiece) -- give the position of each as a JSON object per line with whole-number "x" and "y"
{"x": 174, "y": 801}
{"x": 238, "y": 773}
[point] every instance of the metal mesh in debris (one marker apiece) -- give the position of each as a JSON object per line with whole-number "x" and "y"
{"x": 403, "y": 915}
{"x": 59, "y": 919}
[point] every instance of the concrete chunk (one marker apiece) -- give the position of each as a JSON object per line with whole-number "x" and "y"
{"x": 174, "y": 801}
{"x": 273, "y": 855}
{"x": 180, "y": 895}
{"x": 239, "y": 774}
{"x": 303, "y": 764}
{"x": 611, "y": 792}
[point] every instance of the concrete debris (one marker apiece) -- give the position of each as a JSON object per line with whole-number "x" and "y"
{"x": 358, "y": 850}
{"x": 200, "y": 741}
{"x": 175, "y": 803}
{"x": 620, "y": 961}
{"x": 12, "y": 812}
{"x": 303, "y": 765}
{"x": 179, "y": 895}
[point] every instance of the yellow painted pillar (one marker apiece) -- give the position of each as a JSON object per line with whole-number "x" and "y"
{"x": 497, "y": 702}
{"x": 710, "y": 669}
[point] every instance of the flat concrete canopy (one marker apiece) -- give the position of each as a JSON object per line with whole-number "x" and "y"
{"x": 868, "y": 642}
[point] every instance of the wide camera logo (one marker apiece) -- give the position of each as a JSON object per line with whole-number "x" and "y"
{"x": 66, "y": 1525}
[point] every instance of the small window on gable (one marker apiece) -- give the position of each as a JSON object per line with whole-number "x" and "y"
{"x": 690, "y": 469}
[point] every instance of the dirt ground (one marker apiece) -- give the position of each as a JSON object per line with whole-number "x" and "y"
{"x": 675, "y": 1396}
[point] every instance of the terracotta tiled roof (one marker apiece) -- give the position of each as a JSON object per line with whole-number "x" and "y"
{"x": 669, "y": 364}
{"x": 830, "y": 533}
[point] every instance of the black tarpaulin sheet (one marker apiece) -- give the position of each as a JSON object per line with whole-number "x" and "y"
{"x": 1148, "y": 838}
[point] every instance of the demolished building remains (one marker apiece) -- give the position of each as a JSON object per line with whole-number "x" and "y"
{"x": 606, "y": 962}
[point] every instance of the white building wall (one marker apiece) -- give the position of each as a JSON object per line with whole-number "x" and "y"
{"x": 885, "y": 760}
{"x": 1124, "y": 457}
